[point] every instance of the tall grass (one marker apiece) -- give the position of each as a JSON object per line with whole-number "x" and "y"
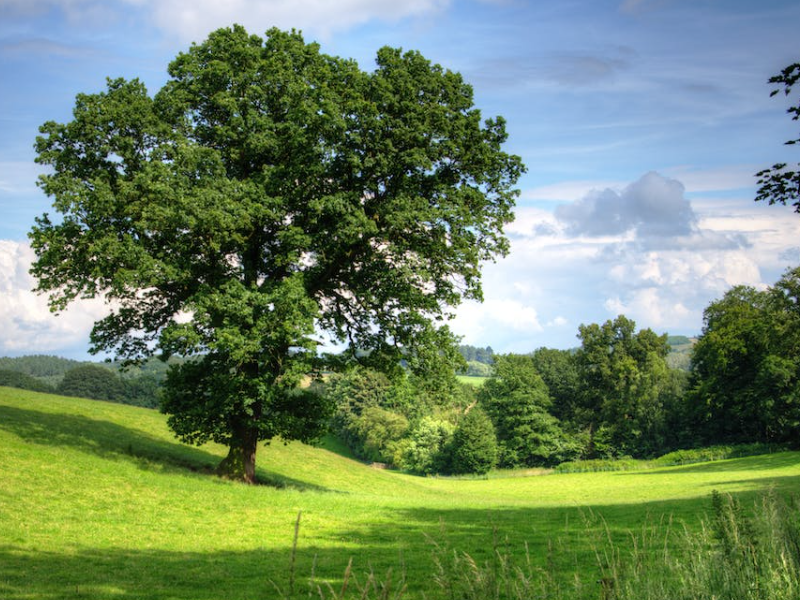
{"x": 737, "y": 554}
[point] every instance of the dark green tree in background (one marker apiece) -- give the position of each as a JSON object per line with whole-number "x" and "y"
{"x": 559, "y": 371}
{"x": 92, "y": 381}
{"x": 517, "y": 401}
{"x": 625, "y": 384}
{"x": 473, "y": 449}
{"x": 266, "y": 193}
{"x": 780, "y": 184}
{"x": 746, "y": 366}
{"x": 23, "y": 381}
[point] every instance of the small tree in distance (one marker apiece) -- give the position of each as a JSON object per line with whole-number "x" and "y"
{"x": 265, "y": 193}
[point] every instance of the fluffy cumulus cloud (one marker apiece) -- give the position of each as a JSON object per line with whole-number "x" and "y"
{"x": 652, "y": 206}
{"x": 643, "y": 250}
{"x": 28, "y": 325}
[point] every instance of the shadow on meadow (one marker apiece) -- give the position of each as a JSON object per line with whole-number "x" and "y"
{"x": 116, "y": 442}
{"x": 404, "y": 551}
{"x": 568, "y": 548}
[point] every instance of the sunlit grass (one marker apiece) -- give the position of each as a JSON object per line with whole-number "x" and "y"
{"x": 472, "y": 380}
{"x": 99, "y": 500}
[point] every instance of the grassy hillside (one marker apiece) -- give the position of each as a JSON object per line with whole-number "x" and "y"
{"x": 98, "y": 500}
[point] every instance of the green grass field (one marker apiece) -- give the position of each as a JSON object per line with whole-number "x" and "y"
{"x": 471, "y": 380}
{"x": 98, "y": 500}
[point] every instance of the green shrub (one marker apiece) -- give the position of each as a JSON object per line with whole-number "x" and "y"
{"x": 23, "y": 381}
{"x": 677, "y": 458}
{"x": 600, "y": 465}
{"x": 711, "y": 453}
{"x": 379, "y": 431}
{"x": 426, "y": 451}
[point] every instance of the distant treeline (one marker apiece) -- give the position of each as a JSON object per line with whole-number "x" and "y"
{"x": 479, "y": 360}
{"x": 138, "y": 386}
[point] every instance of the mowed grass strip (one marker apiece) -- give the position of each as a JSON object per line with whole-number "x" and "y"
{"x": 99, "y": 500}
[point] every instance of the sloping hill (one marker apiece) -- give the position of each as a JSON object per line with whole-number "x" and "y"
{"x": 98, "y": 500}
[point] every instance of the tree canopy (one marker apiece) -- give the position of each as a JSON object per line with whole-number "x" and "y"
{"x": 517, "y": 401}
{"x": 624, "y": 383}
{"x": 266, "y": 193}
{"x": 746, "y": 370}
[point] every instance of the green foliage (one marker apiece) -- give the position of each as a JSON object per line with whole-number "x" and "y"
{"x": 427, "y": 451}
{"x": 625, "y": 388}
{"x": 92, "y": 381}
{"x": 48, "y": 369}
{"x": 517, "y": 401}
{"x": 474, "y": 354}
{"x": 38, "y": 365}
{"x": 268, "y": 191}
{"x": 141, "y": 382}
{"x": 680, "y": 352}
{"x": 380, "y": 432}
{"x": 143, "y": 390}
{"x": 601, "y": 465}
{"x": 780, "y": 185}
{"x": 711, "y": 453}
{"x": 746, "y": 374}
{"x": 559, "y": 371}
{"x": 372, "y": 414}
{"x": 23, "y": 381}
{"x": 473, "y": 449}
{"x": 671, "y": 459}
{"x": 478, "y": 369}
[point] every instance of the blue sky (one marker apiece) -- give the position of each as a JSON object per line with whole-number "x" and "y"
{"x": 641, "y": 122}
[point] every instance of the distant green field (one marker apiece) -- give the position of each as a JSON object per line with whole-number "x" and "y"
{"x": 476, "y": 381}
{"x": 99, "y": 501}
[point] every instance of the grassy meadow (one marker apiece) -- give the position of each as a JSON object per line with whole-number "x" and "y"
{"x": 98, "y": 500}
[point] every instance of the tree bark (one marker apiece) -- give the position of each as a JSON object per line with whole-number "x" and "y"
{"x": 240, "y": 464}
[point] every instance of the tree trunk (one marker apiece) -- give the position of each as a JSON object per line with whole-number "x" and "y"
{"x": 240, "y": 464}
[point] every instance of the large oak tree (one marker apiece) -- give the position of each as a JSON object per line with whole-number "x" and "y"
{"x": 267, "y": 193}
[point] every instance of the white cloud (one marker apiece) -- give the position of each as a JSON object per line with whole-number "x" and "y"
{"x": 478, "y": 321}
{"x": 652, "y": 206}
{"x": 28, "y": 324}
{"x": 193, "y": 21}
{"x": 667, "y": 290}
{"x": 574, "y": 275}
